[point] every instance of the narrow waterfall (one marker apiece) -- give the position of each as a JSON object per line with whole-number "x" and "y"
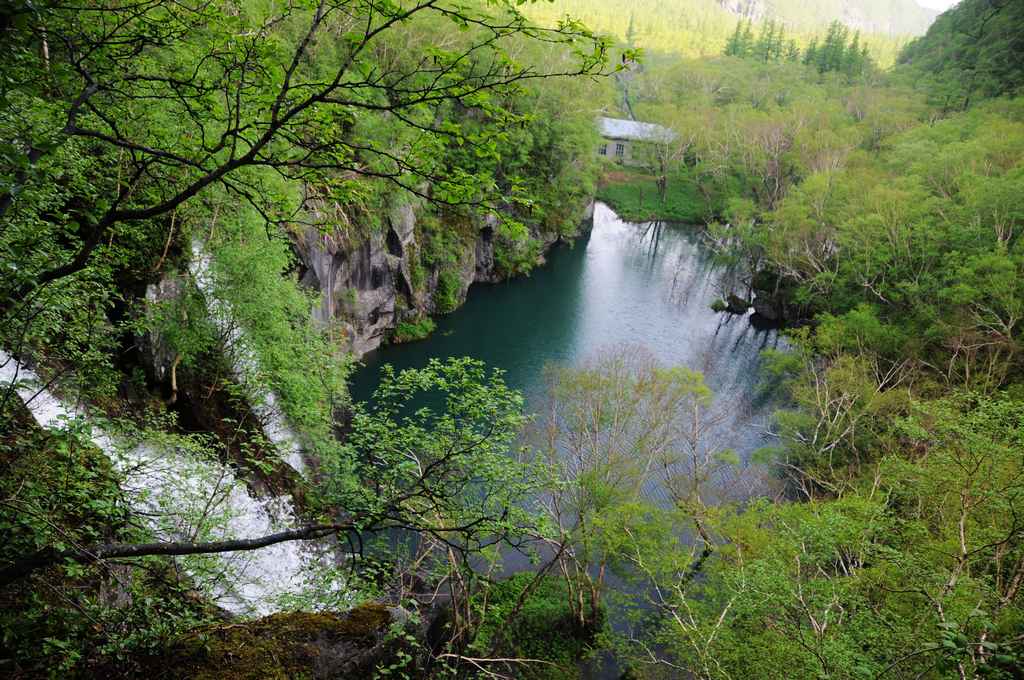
{"x": 245, "y": 364}
{"x": 185, "y": 497}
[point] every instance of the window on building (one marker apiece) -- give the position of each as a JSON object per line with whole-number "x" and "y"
{"x": 620, "y": 150}
{"x": 603, "y": 150}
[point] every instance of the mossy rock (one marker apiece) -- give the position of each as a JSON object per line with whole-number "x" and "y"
{"x": 292, "y": 646}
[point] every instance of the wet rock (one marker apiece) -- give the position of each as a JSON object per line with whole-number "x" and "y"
{"x": 767, "y": 308}
{"x": 284, "y": 645}
{"x": 736, "y": 305}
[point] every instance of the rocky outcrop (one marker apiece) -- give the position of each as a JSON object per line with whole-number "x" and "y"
{"x": 363, "y": 286}
{"x": 367, "y": 287}
{"x": 736, "y": 305}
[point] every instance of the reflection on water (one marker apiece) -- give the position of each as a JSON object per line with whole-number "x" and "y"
{"x": 625, "y": 283}
{"x": 649, "y": 284}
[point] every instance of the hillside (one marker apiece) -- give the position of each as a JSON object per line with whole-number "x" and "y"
{"x": 279, "y": 400}
{"x": 886, "y": 17}
{"x": 975, "y": 49}
{"x": 700, "y": 28}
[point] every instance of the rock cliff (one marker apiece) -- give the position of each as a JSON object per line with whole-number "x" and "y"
{"x": 368, "y": 287}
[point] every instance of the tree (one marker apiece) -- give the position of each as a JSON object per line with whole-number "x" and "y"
{"x": 444, "y": 474}
{"x": 735, "y": 42}
{"x": 811, "y": 53}
{"x": 747, "y": 41}
{"x": 631, "y": 31}
{"x": 180, "y": 100}
{"x": 618, "y": 432}
{"x": 792, "y": 51}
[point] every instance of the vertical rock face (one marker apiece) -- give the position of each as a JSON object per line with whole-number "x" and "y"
{"x": 364, "y": 287}
{"x": 367, "y": 288}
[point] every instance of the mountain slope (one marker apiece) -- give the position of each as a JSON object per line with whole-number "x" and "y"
{"x": 887, "y": 17}
{"x": 700, "y": 28}
{"x": 974, "y": 50}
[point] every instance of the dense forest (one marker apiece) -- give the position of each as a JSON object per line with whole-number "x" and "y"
{"x": 209, "y": 211}
{"x": 699, "y": 28}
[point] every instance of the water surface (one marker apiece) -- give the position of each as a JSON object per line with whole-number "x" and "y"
{"x": 649, "y": 284}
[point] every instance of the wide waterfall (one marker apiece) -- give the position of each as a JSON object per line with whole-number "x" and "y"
{"x": 185, "y": 496}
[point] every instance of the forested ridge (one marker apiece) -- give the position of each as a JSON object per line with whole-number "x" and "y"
{"x": 208, "y": 211}
{"x": 700, "y": 28}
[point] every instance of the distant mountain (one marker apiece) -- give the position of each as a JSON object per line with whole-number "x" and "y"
{"x": 886, "y": 17}
{"x": 700, "y": 28}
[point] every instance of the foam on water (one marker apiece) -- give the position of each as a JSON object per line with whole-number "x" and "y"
{"x": 186, "y": 497}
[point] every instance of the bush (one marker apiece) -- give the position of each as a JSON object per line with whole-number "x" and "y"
{"x": 446, "y": 295}
{"x": 544, "y": 628}
{"x": 409, "y": 331}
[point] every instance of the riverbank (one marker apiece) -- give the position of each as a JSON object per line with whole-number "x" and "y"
{"x": 634, "y": 194}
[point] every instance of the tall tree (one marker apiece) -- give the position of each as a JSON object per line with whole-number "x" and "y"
{"x": 186, "y": 96}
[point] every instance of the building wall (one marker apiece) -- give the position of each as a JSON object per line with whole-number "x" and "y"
{"x": 611, "y": 148}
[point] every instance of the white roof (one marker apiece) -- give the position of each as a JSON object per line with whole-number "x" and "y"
{"x": 620, "y": 128}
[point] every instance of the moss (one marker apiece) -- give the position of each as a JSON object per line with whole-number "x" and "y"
{"x": 446, "y": 295}
{"x": 285, "y": 645}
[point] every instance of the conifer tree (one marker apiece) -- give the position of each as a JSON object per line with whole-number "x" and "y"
{"x": 779, "y": 44}
{"x": 811, "y": 55}
{"x": 792, "y": 52}
{"x": 747, "y": 41}
{"x": 732, "y": 47}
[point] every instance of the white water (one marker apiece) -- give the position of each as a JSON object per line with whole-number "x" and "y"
{"x": 186, "y": 497}
{"x": 246, "y": 364}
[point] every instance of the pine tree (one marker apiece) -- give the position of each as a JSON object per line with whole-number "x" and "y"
{"x": 763, "y": 49}
{"x": 830, "y": 56}
{"x": 811, "y": 55}
{"x": 779, "y": 44}
{"x": 792, "y": 52}
{"x": 851, "y": 63}
{"x": 747, "y": 41}
{"x": 732, "y": 47}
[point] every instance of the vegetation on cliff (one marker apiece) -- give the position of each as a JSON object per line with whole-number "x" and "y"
{"x": 161, "y": 161}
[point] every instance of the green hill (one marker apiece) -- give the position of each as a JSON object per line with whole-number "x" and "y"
{"x": 974, "y": 50}
{"x": 699, "y": 28}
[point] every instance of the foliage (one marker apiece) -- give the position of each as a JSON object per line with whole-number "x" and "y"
{"x": 541, "y": 627}
{"x": 72, "y": 620}
{"x": 418, "y": 329}
{"x": 448, "y": 291}
{"x": 617, "y": 433}
{"x": 834, "y": 54}
{"x": 253, "y": 292}
{"x": 879, "y": 581}
{"x": 971, "y": 52}
{"x": 692, "y": 28}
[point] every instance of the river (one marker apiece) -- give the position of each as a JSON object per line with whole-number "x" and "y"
{"x": 643, "y": 284}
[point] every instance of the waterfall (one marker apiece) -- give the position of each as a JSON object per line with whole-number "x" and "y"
{"x": 245, "y": 364}
{"x": 184, "y": 496}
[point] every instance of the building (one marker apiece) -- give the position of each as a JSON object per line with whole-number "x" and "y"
{"x": 623, "y": 139}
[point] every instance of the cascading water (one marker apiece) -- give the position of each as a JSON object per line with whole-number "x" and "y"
{"x": 245, "y": 363}
{"x": 186, "y": 497}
